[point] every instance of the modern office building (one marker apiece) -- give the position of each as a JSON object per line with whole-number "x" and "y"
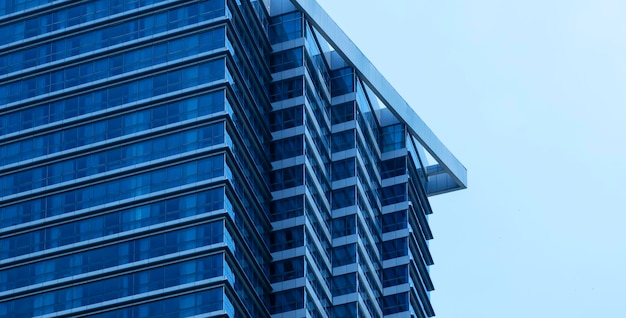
{"x": 207, "y": 158}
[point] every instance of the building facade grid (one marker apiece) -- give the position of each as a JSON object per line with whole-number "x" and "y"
{"x": 206, "y": 158}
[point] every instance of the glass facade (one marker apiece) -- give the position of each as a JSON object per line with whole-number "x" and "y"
{"x": 164, "y": 158}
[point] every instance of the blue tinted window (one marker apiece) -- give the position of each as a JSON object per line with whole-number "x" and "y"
{"x": 120, "y": 286}
{"x": 343, "y": 140}
{"x": 395, "y": 248}
{"x": 11, "y": 6}
{"x": 287, "y": 269}
{"x": 393, "y": 194}
{"x": 285, "y": 27}
{"x": 395, "y": 275}
{"x": 103, "y": 257}
{"x": 285, "y": 89}
{"x": 285, "y": 60}
{"x": 344, "y": 255}
{"x": 395, "y": 303}
{"x": 344, "y": 284}
{"x": 345, "y": 310}
{"x": 107, "y": 98}
{"x": 343, "y": 169}
{"x": 107, "y": 67}
{"x": 113, "y": 159}
{"x": 392, "y": 137}
{"x": 286, "y": 118}
{"x": 287, "y": 300}
{"x": 287, "y": 208}
{"x": 286, "y": 178}
{"x": 393, "y": 167}
{"x": 112, "y": 191}
{"x": 287, "y": 239}
{"x": 342, "y": 113}
{"x": 181, "y": 306}
{"x": 109, "y": 36}
{"x": 344, "y": 226}
{"x": 342, "y": 81}
{"x": 116, "y": 222}
{"x": 394, "y": 221}
{"x": 287, "y": 148}
{"x": 343, "y": 197}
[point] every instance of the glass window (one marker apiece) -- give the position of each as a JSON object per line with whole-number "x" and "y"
{"x": 287, "y": 269}
{"x": 113, "y": 255}
{"x": 345, "y": 310}
{"x": 343, "y": 140}
{"x": 395, "y": 275}
{"x": 344, "y": 284}
{"x": 287, "y": 300}
{"x": 186, "y": 305}
{"x": 342, "y": 113}
{"x": 344, "y": 255}
{"x": 343, "y": 169}
{"x": 285, "y": 27}
{"x": 285, "y": 89}
{"x": 394, "y": 221}
{"x": 287, "y": 178}
{"x": 119, "y": 189}
{"x": 344, "y": 226}
{"x": 392, "y": 137}
{"x": 115, "y": 158}
{"x": 286, "y": 118}
{"x": 94, "y": 101}
{"x": 343, "y": 197}
{"x": 393, "y": 167}
{"x": 287, "y": 208}
{"x": 342, "y": 81}
{"x": 395, "y": 248}
{"x": 287, "y": 148}
{"x": 106, "y": 37}
{"x": 285, "y": 60}
{"x": 286, "y": 239}
{"x": 395, "y": 303}
{"x": 393, "y": 194}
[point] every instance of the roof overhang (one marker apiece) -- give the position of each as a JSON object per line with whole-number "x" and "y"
{"x": 448, "y": 174}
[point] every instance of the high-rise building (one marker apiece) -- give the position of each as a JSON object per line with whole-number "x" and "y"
{"x": 207, "y": 158}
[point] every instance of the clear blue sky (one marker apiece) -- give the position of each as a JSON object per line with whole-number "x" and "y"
{"x": 531, "y": 97}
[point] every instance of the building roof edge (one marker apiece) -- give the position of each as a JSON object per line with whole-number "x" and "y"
{"x": 384, "y": 91}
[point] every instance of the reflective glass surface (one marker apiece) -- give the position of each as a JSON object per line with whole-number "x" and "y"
{"x": 111, "y": 191}
{"x": 342, "y": 81}
{"x": 344, "y": 255}
{"x": 287, "y": 300}
{"x": 285, "y": 27}
{"x": 395, "y": 303}
{"x": 111, "y": 159}
{"x": 181, "y": 306}
{"x": 107, "y": 37}
{"x": 285, "y": 60}
{"x": 117, "y": 287}
{"x": 113, "y": 66}
{"x": 107, "y": 98}
{"x": 113, "y": 223}
{"x": 112, "y": 255}
{"x": 392, "y": 137}
{"x": 63, "y": 18}
{"x": 395, "y": 248}
{"x": 285, "y": 89}
{"x": 287, "y": 148}
{"x": 287, "y": 239}
{"x": 287, "y": 269}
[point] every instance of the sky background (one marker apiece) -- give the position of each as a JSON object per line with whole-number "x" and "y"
{"x": 531, "y": 97}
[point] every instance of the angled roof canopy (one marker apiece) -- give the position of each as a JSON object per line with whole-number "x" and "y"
{"x": 445, "y": 176}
